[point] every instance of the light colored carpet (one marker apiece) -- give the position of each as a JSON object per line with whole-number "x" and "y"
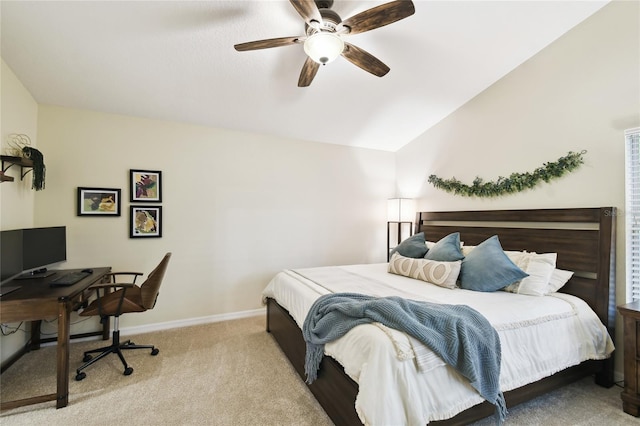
{"x": 229, "y": 373}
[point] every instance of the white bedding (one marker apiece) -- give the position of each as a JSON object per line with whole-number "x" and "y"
{"x": 401, "y": 382}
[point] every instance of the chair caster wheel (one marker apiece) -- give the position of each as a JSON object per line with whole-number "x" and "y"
{"x": 155, "y": 351}
{"x": 128, "y": 371}
{"x": 80, "y": 376}
{"x": 87, "y": 358}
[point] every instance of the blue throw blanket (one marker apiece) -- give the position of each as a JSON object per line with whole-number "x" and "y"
{"x": 460, "y": 335}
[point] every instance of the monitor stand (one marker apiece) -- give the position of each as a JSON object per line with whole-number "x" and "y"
{"x": 40, "y": 273}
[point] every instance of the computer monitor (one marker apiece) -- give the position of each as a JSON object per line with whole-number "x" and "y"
{"x": 10, "y": 254}
{"x": 42, "y": 247}
{"x": 30, "y": 250}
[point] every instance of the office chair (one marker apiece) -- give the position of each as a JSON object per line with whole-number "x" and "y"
{"x": 117, "y": 299}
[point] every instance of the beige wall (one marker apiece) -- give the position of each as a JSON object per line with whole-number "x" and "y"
{"x": 579, "y": 93}
{"x": 237, "y": 207}
{"x": 19, "y": 114}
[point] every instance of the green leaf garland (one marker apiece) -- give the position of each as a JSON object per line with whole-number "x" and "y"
{"x": 516, "y": 182}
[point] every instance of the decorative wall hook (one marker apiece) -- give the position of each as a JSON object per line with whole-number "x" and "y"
{"x": 19, "y": 145}
{"x": 15, "y": 143}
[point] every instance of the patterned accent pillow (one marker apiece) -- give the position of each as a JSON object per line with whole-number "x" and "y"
{"x": 443, "y": 274}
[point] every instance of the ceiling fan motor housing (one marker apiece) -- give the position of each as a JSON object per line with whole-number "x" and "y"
{"x": 324, "y": 4}
{"x": 330, "y": 21}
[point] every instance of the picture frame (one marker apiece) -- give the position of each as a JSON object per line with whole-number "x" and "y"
{"x": 145, "y": 222}
{"x": 145, "y": 186}
{"x": 98, "y": 201}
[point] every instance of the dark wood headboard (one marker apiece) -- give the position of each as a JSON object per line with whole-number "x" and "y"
{"x": 584, "y": 239}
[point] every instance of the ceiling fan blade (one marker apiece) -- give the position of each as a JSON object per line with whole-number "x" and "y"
{"x": 308, "y": 10}
{"x": 364, "y": 60}
{"x": 268, "y": 43}
{"x": 378, "y": 16}
{"x": 309, "y": 70}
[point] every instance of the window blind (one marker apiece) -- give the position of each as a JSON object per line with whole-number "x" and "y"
{"x": 632, "y": 202}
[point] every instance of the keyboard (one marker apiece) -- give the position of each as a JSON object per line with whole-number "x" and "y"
{"x": 69, "y": 278}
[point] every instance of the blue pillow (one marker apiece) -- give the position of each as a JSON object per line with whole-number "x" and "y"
{"x": 487, "y": 268}
{"x": 446, "y": 250}
{"x": 414, "y": 246}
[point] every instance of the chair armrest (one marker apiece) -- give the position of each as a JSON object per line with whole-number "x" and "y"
{"x": 124, "y": 273}
{"x": 110, "y": 285}
{"x": 107, "y": 288}
{"x": 112, "y": 275}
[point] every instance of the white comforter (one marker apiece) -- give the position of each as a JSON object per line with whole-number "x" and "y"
{"x": 401, "y": 382}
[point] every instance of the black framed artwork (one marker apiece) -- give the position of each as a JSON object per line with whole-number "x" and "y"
{"x": 145, "y": 222}
{"x": 98, "y": 202}
{"x": 145, "y": 186}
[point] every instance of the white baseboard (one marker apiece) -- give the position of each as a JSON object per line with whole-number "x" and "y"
{"x": 618, "y": 376}
{"x": 191, "y": 321}
{"x": 141, "y": 329}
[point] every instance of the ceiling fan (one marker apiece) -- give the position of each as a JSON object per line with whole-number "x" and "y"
{"x": 324, "y": 31}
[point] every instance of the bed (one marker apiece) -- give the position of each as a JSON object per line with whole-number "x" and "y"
{"x": 583, "y": 239}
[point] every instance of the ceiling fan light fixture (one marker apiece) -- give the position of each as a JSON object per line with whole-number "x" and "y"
{"x": 323, "y": 47}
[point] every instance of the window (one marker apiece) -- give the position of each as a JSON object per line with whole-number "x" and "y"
{"x": 632, "y": 203}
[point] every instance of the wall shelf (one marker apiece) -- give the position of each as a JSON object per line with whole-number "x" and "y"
{"x": 5, "y": 178}
{"x": 24, "y": 163}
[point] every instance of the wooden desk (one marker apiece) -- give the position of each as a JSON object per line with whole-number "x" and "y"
{"x": 37, "y": 300}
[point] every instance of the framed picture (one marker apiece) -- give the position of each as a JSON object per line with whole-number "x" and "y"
{"x": 146, "y": 186}
{"x": 145, "y": 222}
{"x": 98, "y": 202}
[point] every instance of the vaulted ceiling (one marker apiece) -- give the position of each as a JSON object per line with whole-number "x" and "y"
{"x": 174, "y": 60}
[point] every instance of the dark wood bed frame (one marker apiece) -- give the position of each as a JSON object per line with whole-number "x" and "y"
{"x": 584, "y": 239}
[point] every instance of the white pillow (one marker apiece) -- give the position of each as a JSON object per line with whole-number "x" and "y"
{"x": 538, "y": 266}
{"x": 467, "y": 249}
{"x": 559, "y": 278}
{"x": 443, "y": 274}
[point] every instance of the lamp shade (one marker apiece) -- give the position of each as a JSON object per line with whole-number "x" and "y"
{"x": 400, "y": 209}
{"x": 323, "y": 47}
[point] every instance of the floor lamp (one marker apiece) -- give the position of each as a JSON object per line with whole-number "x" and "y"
{"x": 400, "y": 213}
